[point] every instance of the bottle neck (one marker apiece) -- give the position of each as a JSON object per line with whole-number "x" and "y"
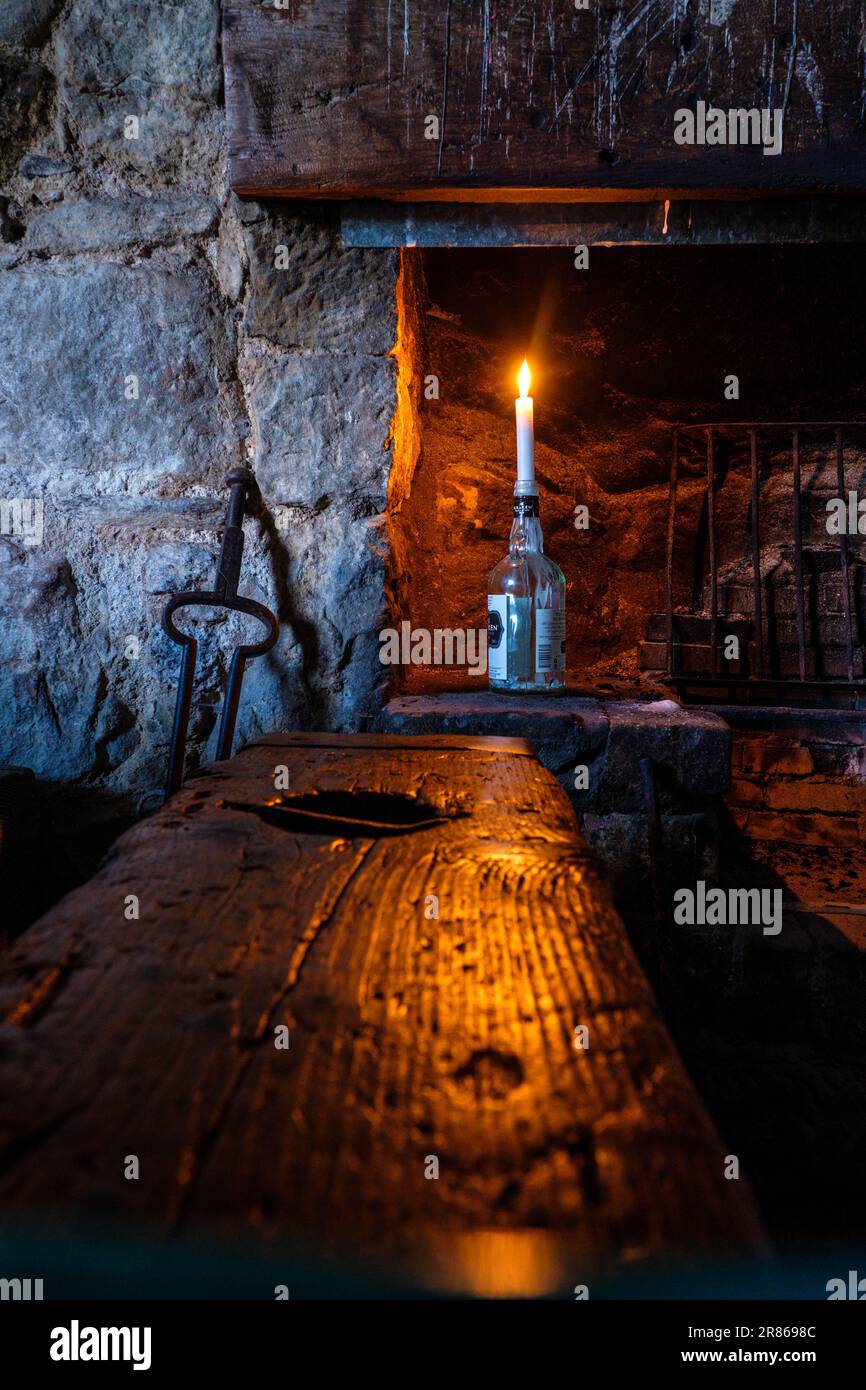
{"x": 526, "y": 534}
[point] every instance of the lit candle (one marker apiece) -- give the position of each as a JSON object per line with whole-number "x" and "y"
{"x": 525, "y": 434}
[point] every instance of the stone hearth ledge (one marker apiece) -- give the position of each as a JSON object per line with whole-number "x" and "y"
{"x": 689, "y": 748}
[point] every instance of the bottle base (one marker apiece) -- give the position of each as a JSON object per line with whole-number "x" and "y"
{"x": 517, "y": 687}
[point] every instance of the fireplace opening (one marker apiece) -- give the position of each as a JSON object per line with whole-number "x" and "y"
{"x": 645, "y": 350}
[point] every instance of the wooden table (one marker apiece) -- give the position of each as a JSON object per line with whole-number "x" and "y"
{"x": 417, "y": 1042}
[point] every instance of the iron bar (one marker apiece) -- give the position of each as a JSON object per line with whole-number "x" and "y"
{"x": 823, "y": 676}
{"x": 182, "y": 708}
{"x": 669, "y": 563}
{"x": 843, "y": 558}
{"x": 655, "y": 844}
{"x": 223, "y": 595}
{"x": 633, "y": 220}
{"x": 714, "y": 577}
{"x": 756, "y": 554}
{"x": 723, "y": 426}
{"x": 798, "y": 554}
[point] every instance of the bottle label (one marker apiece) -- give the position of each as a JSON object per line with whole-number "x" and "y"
{"x": 497, "y": 651}
{"x": 549, "y": 639}
{"x": 525, "y": 506}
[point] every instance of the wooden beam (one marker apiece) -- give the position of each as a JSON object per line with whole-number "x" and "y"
{"x": 411, "y": 1036}
{"x": 534, "y": 100}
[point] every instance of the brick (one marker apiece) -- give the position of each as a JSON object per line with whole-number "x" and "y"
{"x": 816, "y": 794}
{"x": 799, "y": 828}
{"x": 746, "y": 793}
{"x": 776, "y": 755}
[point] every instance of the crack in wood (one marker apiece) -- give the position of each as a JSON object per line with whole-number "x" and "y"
{"x": 444, "y": 86}
{"x": 196, "y": 1153}
{"x": 32, "y": 1005}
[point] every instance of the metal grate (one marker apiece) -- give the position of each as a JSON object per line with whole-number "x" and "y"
{"x": 761, "y": 677}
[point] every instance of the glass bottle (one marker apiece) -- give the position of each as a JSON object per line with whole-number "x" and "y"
{"x": 526, "y": 608}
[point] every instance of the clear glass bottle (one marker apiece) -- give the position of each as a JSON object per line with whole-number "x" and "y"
{"x": 526, "y": 608}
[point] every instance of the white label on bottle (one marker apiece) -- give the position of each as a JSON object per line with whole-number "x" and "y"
{"x": 549, "y": 639}
{"x": 497, "y": 636}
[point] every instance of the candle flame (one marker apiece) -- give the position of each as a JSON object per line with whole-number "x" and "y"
{"x": 524, "y": 377}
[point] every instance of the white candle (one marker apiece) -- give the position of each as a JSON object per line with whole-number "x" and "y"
{"x": 525, "y": 434}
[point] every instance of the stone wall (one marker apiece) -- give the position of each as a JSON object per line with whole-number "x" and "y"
{"x": 153, "y": 335}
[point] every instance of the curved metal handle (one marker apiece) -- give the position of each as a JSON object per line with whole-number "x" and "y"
{"x": 212, "y": 599}
{"x": 240, "y": 656}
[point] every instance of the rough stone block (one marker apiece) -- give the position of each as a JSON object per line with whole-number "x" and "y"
{"x": 746, "y": 793}
{"x": 691, "y": 746}
{"x": 611, "y": 737}
{"x": 620, "y": 839}
{"x": 321, "y": 424}
{"x": 688, "y": 851}
{"x": 325, "y": 296}
{"x": 68, "y": 341}
{"x": 565, "y": 731}
{"x": 798, "y": 827}
{"x": 41, "y": 166}
{"x": 28, "y": 90}
{"x": 27, "y": 22}
{"x": 94, "y": 223}
{"x": 327, "y": 576}
{"x": 175, "y": 566}
{"x": 161, "y": 66}
{"x": 816, "y": 794}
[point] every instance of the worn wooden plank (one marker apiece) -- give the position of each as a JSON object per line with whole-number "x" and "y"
{"x": 409, "y": 1037}
{"x": 535, "y": 96}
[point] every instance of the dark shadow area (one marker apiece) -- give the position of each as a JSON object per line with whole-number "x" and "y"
{"x": 773, "y": 1032}
{"x": 53, "y": 837}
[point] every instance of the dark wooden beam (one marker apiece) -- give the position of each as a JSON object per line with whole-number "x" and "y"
{"x": 535, "y": 99}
